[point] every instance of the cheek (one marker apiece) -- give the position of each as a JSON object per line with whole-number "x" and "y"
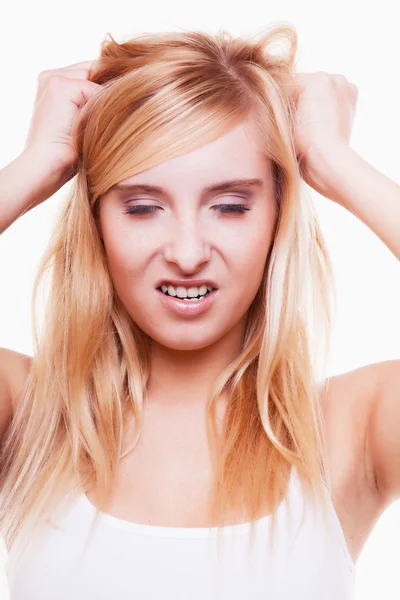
{"x": 250, "y": 267}
{"x": 126, "y": 265}
{"x": 125, "y": 251}
{"x": 119, "y": 243}
{"x": 251, "y": 251}
{"x": 250, "y": 259}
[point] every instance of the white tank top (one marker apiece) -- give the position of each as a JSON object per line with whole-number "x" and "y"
{"x": 125, "y": 560}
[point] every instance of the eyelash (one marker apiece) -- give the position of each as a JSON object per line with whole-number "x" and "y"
{"x": 147, "y": 209}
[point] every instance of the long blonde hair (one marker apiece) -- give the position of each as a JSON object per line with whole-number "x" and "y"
{"x": 163, "y": 95}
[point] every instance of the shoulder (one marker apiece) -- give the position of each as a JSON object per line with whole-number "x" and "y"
{"x": 366, "y": 402}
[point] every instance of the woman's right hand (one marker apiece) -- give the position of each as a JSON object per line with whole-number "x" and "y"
{"x": 60, "y": 95}
{"x": 48, "y": 159}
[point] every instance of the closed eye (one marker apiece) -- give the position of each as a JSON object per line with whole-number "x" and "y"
{"x": 235, "y": 208}
{"x": 141, "y": 209}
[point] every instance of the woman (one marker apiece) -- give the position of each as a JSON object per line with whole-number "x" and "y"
{"x": 176, "y": 415}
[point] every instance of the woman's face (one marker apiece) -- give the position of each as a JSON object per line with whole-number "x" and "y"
{"x": 192, "y": 232}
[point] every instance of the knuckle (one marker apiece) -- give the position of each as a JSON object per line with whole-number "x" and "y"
{"x": 323, "y": 79}
{"x": 354, "y": 88}
{"x": 323, "y": 75}
{"x": 340, "y": 79}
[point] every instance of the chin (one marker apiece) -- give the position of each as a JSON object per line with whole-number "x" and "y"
{"x": 185, "y": 343}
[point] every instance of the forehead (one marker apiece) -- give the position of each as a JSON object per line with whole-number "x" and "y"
{"x": 236, "y": 154}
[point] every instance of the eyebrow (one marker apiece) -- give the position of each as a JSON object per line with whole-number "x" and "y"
{"x": 215, "y": 187}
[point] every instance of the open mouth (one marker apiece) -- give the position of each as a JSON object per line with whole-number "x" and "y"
{"x": 189, "y": 307}
{"x": 187, "y": 299}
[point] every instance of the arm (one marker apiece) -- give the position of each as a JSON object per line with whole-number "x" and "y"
{"x": 384, "y": 430}
{"x": 26, "y": 182}
{"x": 344, "y": 177}
{"x": 326, "y": 108}
{"x": 347, "y": 179}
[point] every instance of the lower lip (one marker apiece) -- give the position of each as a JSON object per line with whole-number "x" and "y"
{"x": 187, "y": 307}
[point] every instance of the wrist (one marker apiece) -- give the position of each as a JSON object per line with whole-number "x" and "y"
{"x": 45, "y": 164}
{"x": 327, "y": 168}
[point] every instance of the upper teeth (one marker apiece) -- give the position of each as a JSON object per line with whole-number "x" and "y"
{"x": 183, "y": 292}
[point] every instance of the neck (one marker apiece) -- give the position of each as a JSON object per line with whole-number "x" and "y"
{"x": 184, "y": 378}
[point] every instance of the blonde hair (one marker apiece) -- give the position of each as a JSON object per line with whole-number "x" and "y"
{"x": 163, "y": 95}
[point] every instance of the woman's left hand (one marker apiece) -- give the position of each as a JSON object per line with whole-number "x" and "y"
{"x": 325, "y": 113}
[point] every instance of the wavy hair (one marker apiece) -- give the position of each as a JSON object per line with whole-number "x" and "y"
{"x": 163, "y": 95}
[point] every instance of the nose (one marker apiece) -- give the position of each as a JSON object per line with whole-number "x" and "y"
{"x": 187, "y": 245}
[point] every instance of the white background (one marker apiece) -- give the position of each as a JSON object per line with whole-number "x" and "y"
{"x": 358, "y": 39}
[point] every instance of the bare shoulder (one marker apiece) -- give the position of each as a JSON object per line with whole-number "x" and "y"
{"x": 361, "y": 411}
{"x": 384, "y": 429}
{"x": 371, "y": 395}
{"x": 347, "y": 406}
{"x": 14, "y": 370}
{"x": 366, "y": 401}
